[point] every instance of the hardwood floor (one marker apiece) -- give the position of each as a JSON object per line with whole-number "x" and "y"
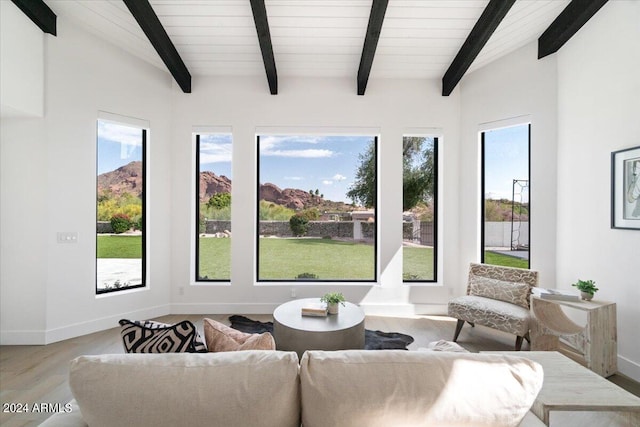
{"x": 38, "y": 374}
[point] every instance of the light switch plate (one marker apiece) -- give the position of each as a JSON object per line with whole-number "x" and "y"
{"x": 67, "y": 237}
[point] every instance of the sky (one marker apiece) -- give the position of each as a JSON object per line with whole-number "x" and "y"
{"x": 118, "y": 145}
{"x": 309, "y": 162}
{"x": 506, "y": 159}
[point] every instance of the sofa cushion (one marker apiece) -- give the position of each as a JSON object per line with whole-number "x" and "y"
{"x": 399, "y": 388}
{"x": 220, "y": 337}
{"x": 248, "y": 388}
{"x": 154, "y": 337}
{"x": 515, "y": 293}
{"x": 496, "y": 314}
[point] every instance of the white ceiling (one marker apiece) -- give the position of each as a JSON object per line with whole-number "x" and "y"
{"x": 320, "y": 38}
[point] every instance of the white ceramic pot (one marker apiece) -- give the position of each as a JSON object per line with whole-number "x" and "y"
{"x": 586, "y": 296}
{"x": 333, "y": 308}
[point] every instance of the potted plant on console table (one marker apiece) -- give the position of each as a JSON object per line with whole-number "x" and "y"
{"x": 587, "y": 288}
{"x": 332, "y": 299}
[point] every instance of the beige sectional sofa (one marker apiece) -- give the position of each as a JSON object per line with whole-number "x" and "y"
{"x": 274, "y": 388}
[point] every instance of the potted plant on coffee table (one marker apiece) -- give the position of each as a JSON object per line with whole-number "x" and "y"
{"x": 333, "y": 299}
{"x": 587, "y": 288}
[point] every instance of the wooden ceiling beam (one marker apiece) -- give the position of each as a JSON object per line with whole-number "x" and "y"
{"x": 491, "y": 17}
{"x": 376, "y": 18}
{"x": 264, "y": 38}
{"x": 570, "y": 20}
{"x": 155, "y": 32}
{"x": 39, "y": 13}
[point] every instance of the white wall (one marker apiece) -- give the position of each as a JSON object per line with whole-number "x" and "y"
{"x": 515, "y": 88}
{"x": 48, "y": 185}
{"x": 244, "y": 104}
{"x": 599, "y": 112}
{"x": 21, "y": 64}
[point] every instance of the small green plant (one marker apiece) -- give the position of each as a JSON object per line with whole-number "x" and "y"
{"x": 299, "y": 224}
{"x": 307, "y": 276}
{"x": 333, "y": 298}
{"x": 588, "y": 286}
{"x": 120, "y": 223}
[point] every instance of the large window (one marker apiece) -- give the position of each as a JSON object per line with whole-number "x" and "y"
{"x": 120, "y": 247}
{"x": 213, "y": 207}
{"x": 505, "y": 201}
{"x": 419, "y": 208}
{"x": 317, "y": 208}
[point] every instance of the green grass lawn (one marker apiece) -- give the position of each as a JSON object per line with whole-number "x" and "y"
{"x": 119, "y": 246}
{"x": 215, "y": 258}
{"x": 417, "y": 263}
{"x": 494, "y": 258}
{"x": 284, "y": 259}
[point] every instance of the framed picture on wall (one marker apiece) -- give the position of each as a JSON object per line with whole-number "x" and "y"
{"x": 625, "y": 189}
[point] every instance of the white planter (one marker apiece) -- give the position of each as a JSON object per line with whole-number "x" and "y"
{"x": 333, "y": 308}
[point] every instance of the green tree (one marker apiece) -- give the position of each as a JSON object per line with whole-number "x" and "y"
{"x": 418, "y": 172}
{"x": 363, "y": 190}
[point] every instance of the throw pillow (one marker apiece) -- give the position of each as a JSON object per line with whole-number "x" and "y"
{"x": 515, "y": 293}
{"x": 155, "y": 337}
{"x": 220, "y": 337}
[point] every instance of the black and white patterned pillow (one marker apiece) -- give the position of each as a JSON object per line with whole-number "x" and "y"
{"x": 154, "y": 337}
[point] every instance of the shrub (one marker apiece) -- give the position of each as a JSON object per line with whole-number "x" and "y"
{"x": 219, "y": 201}
{"x": 311, "y": 214}
{"x": 299, "y": 224}
{"x": 307, "y": 276}
{"x": 136, "y": 222}
{"x": 273, "y": 212}
{"x": 120, "y": 223}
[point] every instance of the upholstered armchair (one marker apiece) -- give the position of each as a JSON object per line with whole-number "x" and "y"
{"x": 497, "y": 297}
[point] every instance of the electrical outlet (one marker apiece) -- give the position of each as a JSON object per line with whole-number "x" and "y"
{"x": 67, "y": 237}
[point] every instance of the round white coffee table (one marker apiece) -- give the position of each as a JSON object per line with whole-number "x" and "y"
{"x": 294, "y": 332}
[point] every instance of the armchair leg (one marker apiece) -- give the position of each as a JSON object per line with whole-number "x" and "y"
{"x": 519, "y": 340}
{"x": 459, "y": 326}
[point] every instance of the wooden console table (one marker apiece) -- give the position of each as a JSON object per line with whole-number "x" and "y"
{"x": 594, "y": 345}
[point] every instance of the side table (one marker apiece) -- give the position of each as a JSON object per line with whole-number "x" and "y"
{"x": 578, "y": 396}
{"x": 595, "y": 343}
{"x": 294, "y": 332}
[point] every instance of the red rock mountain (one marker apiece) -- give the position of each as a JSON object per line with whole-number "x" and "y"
{"x": 125, "y": 179}
{"x": 128, "y": 179}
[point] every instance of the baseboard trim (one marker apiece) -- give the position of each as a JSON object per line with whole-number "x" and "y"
{"x": 22, "y": 337}
{"x": 376, "y": 309}
{"x": 101, "y": 324}
{"x": 629, "y": 368}
{"x": 224, "y": 308}
{"x": 268, "y": 308}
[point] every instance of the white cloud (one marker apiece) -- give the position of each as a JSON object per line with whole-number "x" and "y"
{"x": 215, "y": 152}
{"x": 338, "y": 177}
{"x": 327, "y": 182}
{"x": 118, "y": 133}
{"x": 273, "y": 146}
{"x": 298, "y": 153}
{"x": 294, "y": 178}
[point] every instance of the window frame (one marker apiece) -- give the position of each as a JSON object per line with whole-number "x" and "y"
{"x": 143, "y": 197}
{"x": 375, "y": 278}
{"x": 196, "y": 273}
{"x": 482, "y": 183}
{"x": 436, "y": 207}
